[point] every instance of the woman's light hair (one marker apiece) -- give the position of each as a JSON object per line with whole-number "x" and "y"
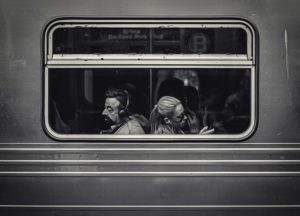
{"x": 166, "y": 105}
{"x": 164, "y": 108}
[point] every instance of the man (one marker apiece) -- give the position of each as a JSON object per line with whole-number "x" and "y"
{"x": 117, "y": 113}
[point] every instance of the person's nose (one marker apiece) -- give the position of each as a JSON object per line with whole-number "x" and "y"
{"x": 184, "y": 117}
{"x": 104, "y": 112}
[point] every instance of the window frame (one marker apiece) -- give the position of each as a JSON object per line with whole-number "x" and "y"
{"x": 240, "y": 61}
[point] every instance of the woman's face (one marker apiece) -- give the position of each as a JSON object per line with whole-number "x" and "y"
{"x": 179, "y": 118}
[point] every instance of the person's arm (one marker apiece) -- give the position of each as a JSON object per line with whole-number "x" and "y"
{"x": 205, "y": 131}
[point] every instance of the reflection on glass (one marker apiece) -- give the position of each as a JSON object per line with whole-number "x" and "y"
{"x": 149, "y": 40}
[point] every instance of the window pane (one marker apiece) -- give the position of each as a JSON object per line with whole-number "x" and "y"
{"x": 81, "y": 40}
{"x": 216, "y": 98}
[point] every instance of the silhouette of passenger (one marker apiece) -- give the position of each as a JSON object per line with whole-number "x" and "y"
{"x": 171, "y": 87}
{"x": 236, "y": 110}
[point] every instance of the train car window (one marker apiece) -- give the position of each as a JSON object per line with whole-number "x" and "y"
{"x": 143, "y": 79}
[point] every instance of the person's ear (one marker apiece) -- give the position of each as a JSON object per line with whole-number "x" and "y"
{"x": 167, "y": 121}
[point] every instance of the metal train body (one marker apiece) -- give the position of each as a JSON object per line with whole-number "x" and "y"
{"x": 42, "y": 173}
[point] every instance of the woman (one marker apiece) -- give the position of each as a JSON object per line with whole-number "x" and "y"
{"x": 169, "y": 117}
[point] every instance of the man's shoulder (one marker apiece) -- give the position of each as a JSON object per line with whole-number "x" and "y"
{"x": 134, "y": 123}
{"x": 132, "y": 126}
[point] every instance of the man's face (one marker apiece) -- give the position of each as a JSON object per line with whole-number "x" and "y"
{"x": 111, "y": 111}
{"x": 179, "y": 118}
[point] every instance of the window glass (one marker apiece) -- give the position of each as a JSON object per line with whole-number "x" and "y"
{"x": 217, "y": 98}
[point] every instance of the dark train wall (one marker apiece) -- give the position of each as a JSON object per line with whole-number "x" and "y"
{"x": 43, "y": 176}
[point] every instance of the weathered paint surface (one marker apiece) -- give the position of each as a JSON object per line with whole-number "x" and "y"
{"x": 278, "y": 26}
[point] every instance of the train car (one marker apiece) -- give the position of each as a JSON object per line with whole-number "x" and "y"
{"x": 149, "y": 107}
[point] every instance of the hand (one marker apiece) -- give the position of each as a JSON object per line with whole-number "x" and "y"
{"x": 205, "y": 131}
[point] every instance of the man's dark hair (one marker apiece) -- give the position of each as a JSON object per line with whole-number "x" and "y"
{"x": 119, "y": 94}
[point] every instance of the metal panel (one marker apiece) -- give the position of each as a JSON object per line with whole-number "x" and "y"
{"x": 272, "y": 153}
